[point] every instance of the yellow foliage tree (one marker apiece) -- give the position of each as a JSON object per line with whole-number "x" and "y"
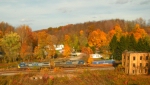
{"x": 42, "y": 39}
{"x": 117, "y": 31}
{"x": 97, "y": 38}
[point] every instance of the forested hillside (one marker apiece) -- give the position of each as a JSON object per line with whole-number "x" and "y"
{"x": 107, "y": 36}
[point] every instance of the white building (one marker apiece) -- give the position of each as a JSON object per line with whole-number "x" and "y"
{"x": 59, "y": 47}
{"x": 95, "y": 56}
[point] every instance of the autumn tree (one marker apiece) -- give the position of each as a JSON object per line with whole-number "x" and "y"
{"x": 140, "y": 21}
{"x": 26, "y": 37}
{"x": 86, "y": 50}
{"x": 23, "y": 51}
{"x": 54, "y": 39}
{"x": 97, "y": 39}
{"x": 110, "y": 35}
{"x": 11, "y": 45}
{"x": 25, "y": 33}
{"x": 83, "y": 41}
{"x": 67, "y": 50}
{"x": 118, "y": 31}
{"x": 39, "y": 50}
{"x": 139, "y": 32}
{"x": 34, "y": 39}
{"x": 6, "y": 28}
{"x": 49, "y": 49}
{"x": 1, "y": 36}
{"x": 38, "y": 53}
{"x": 67, "y": 39}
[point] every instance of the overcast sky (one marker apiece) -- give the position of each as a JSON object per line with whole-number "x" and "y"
{"x": 41, "y": 14}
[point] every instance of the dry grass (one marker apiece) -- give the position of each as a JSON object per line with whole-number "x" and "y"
{"x": 86, "y": 77}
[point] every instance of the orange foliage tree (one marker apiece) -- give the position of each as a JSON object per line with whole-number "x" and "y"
{"x": 50, "y": 49}
{"x": 97, "y": 39}
{"x": 139, "y": 32}
{"x": 117, "y": 31}
{"x": 86, "y": 50}
{"x": 67, "y": 50}
{"x": 25, "y": 34}
{"x": 67, "y": 39}
{"x": 26, "y": 51}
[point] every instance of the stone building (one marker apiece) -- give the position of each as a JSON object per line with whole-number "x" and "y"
{"x": 135, "y": 63}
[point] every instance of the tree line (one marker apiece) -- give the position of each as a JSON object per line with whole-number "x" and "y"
{"x": 108, "y": 36}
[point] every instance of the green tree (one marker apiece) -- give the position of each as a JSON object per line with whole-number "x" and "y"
{"x": 83, "y": 41}
{"x": 147, "y": 38}
{"x": 132, "y": 43}
{"x": 142, "y": 45}
{"x": 74, "y": 42}
{"x": 121, "y": 46}
{"x": 113, "y": 44}
{"x": 11, "y": 45}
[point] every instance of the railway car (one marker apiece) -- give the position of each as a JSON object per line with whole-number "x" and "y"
{"x": 69, "y": 63}
{"x": 103, "y": 63}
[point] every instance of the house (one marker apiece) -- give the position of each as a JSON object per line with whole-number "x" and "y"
{"x": 135, "y": 63}
{"x": 59, "y": 47}
{"x": 95, "y": 56}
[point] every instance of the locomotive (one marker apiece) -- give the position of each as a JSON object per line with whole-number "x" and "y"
{"x": 30, "y": 65}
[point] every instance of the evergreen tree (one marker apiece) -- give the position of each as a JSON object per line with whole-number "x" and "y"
{"x": 121, "y": 46}
{"x": 113, "y": 45}
{"x": 139, "y": 46}
{"x": 117, "y": 52}
{"x": 146, "y": 45}
{"x": 132, "y": 43}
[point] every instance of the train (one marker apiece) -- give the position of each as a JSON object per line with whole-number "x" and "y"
{"x": 63, "y": 63}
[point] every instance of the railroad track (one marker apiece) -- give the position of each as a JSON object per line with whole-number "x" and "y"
{"x": 66, "y": 70}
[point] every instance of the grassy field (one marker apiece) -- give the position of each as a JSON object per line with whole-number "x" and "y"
{"x": 84, "y": 77}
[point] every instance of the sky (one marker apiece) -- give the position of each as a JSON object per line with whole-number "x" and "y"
{"x": 42, "y": 14}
